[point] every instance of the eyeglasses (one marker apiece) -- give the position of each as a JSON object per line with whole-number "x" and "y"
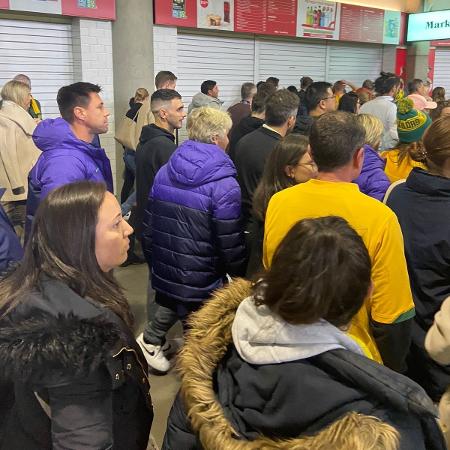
{"x": 310, "y": 164}
{"x": 326, "y": 98}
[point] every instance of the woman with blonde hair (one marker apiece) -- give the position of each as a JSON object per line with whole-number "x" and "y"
{"x": 17, "y": 150}
{"x": 372, "y": 181}
{"x": 192, "y": 233}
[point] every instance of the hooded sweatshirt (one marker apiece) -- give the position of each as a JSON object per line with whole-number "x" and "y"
{"x": 192, "y": 234}
{"x": 261, "y": 337}
{"x": 201, "y": 99}
{"x": 155, "y": 148}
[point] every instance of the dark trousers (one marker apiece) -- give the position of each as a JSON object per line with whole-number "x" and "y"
{"x": 167, "y": 312}
{"x": 129, "y": 158}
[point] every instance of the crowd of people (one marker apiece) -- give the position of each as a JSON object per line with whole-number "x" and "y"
{"x": 301, "y": 238}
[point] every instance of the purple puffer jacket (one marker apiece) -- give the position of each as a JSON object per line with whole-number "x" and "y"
{"x": 64, "y": 159}
{"x": 192, "y": 233}
{"x": 373, "y": 181}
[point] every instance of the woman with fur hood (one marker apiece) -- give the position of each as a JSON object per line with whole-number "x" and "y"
{"x": 276, "y": 369}
{"x": 78, "y": 378}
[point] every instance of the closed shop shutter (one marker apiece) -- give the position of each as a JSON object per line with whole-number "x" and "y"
{"x": 41, "y": 50}
{"x": 354, "y": 62}
{"x": 442, "y": 69}
{"x": 289, "y": 60}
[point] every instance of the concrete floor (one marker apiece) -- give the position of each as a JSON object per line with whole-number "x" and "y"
{"x": 134, "y": 280}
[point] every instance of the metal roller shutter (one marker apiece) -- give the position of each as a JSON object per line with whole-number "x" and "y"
{"x": 41, "y": 50}
{"x": 442, "y": 69}
{"x": 289, "y": 60}
{"x": 227, "y": 60}
{"x": 354, "y": 62}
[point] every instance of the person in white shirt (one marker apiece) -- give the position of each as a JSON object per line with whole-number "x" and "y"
{"x": 383, "y": 107}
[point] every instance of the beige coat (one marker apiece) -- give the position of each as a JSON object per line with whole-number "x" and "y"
{"x": 18, "y": 154}
{"x": 437, "y": 344}
{"x": 144, "y": 117}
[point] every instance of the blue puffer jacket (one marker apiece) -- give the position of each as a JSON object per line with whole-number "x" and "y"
{"x": 373, "y": 181}
{"x": 192, "y": 234}
{"x": 64, "y": 159}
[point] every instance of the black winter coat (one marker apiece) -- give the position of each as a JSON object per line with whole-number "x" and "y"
{"x": 68, "y": 358}
{"x": 244, "y": 127}
{"x": 287, "y": 400}
{"x": 155, "y": 148}
{"x": 422, "y": 205}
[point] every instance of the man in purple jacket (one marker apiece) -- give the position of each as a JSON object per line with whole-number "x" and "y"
{"x": 68, "y": 152}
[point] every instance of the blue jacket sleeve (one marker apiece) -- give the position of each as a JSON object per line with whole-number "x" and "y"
{"x": 377, "y": 184}
{"x": 11, "y": 251}
{"x": 227, "y": 227}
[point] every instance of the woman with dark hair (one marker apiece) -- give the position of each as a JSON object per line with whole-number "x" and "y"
{"x": 438, "y": 94}
{"x": 289, "y": 164}
{"x": 349, "y": 102}
{"x": 442, "y": 109}
{"x": 387, "y": 85}
{"x": 277, "y": 369}
{"x": 422, "y": 205}
{"x": 80, "y": 379}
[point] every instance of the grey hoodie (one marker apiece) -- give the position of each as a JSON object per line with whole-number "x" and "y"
{"x": 261, "y": 337}
{"x": 200, "y": 99}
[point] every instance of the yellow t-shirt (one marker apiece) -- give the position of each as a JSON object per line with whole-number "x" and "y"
{"x": 374, "y": 222}
{"x": 396, "y": 171}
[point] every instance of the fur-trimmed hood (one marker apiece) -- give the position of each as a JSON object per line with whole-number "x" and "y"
{"x": 211, "y": 331}
{"x": 54, "y": 333}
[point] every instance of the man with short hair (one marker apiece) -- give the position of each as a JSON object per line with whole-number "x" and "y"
{"x": 319, "y": 99}
{"x": 208, "y": 96}
{"x": 248, "y": 124}
{"x": 163, "y": 80}
{"x": 368, "y": 88}
{"x": 34, "y": 110}
{"x": 254, "y": 148}
{"x": 274, "y": 81}
{"x": 68, "y": 154}
{"x": 305, "y": 82}
{"x": 156, "y": 145}
{"x": 242, "y": 109}
{"x": 417, "y": 92}
{"x": 383, "y": 327}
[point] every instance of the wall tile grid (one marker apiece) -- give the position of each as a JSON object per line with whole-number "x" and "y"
{"x": 93, "y": 62}
{"x": 165, "y": 49}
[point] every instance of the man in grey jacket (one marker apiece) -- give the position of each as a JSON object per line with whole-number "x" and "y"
{"x": 209, "y": 96}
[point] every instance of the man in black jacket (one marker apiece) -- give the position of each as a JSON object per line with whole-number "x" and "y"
{"x": 156, "y": 145}
{"x": 254, "y": 148}
{"x": 318, "y": 100}
{"x": 248, "y": 124}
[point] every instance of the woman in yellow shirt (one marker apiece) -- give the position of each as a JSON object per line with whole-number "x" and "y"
{"x": 411, "y": 125}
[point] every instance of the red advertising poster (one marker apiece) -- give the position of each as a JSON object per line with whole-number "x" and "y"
{"x": 96, "y": 9}
{"x": 282, "y": 17}
{"x": 401, "y": 55}
{"x": 266, "y": 16}
{"x": 431, "y": 61}
{"x": 4, "y": 4}
{"x": 250, "y": 16}
{"x": 182, "y": 13}
{"x": 361, "y": 24}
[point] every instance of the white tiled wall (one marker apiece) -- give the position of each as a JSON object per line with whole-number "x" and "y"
{"x": 92, "y": 52}
{"x": 165, "y": 49}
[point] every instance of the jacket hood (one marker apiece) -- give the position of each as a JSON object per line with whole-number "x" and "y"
{"x": 42, "y": 334}
{"x": 200, "y": 99}
{"x": 153, "y": 131}
{"x": 210, "y": 329}
{"x": 18, "y": 115}
{"x": 420, "y": 180}
{"x": 53, "y": 134}
{"x": 196, "y": 163}
{"x": 261, "y": 337}
{"x": 372, "y": 160}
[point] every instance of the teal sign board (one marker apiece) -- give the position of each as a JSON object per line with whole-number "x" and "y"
{"x": 429, "y": 26}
